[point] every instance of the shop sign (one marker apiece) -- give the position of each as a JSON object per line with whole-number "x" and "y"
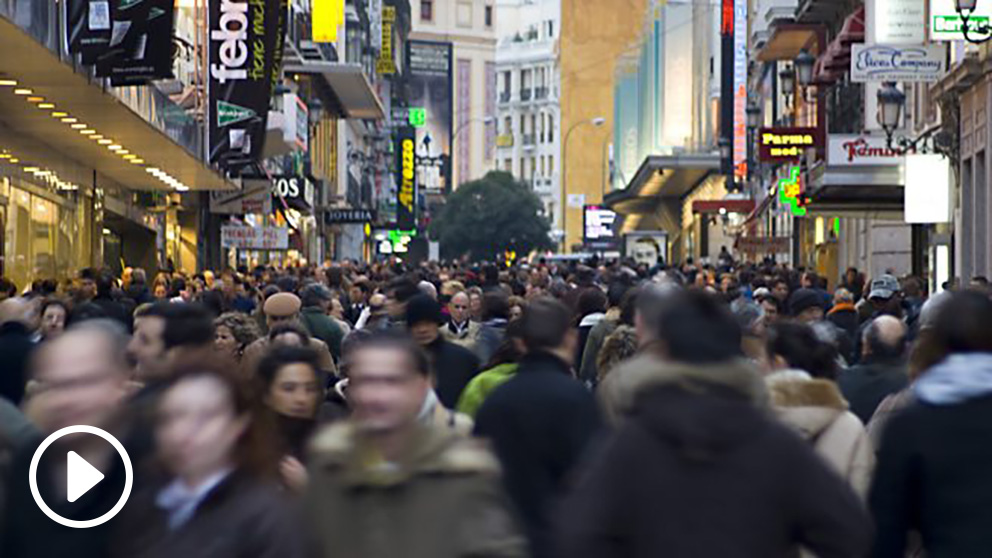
{"x": 854, "y": 150}
{"x": 298, "y": 191}
{"x": 899, "y": 22}
{"x": 252, "y": 199}
{"x": 343, "y": 216}
{"x": 406, "y": 177}
{"x": 923, "y": 63}
{"x": 244, "y": 38}
{"x": 790, "y": 192}
{"x": 504, "y": 140}
{"x": 297, "y": 130}
{"x": 927, "y": 189}
{"x": 763, "y": 244}
{"x": 787, "y": 144}
{"x": 254, "y": 238}
{"x": 385, "y": 64}
{"x": 946, "y": 24}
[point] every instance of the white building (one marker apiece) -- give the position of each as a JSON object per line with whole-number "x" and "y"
{"x": 528, "y": 110}
{"x": 470, "y": 25}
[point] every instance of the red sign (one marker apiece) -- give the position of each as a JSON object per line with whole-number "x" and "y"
{"x": 727, "y": 18}
{"x": 778, "y": 145}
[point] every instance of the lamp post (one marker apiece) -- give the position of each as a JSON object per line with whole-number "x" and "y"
{"x": 787, "y": 80}
{"x": 890, "y": 105}
{"x": 965, "y": 9}
{"x": 597, "y": 122}
{"x": 753, "y": 113}
{"x": 804, "y": 64}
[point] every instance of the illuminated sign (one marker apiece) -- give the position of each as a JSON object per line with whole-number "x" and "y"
{"x": 727, "y": 17}
{"x": 946, "y": 24}
{"x": 326, "y": 16}
{"x": 787, "y": 144}
{"x": 790, "y": 192}
{"x": 385, "y": 64}
{"x": 406, "y": 191}
{"x": 417, "y": 117}
{"x": 740, "y": 90}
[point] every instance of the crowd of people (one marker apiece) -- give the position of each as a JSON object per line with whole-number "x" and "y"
{"x": 595, "y": 409}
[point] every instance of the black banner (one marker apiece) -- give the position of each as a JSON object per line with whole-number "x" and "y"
{"x": 87, "y": 29}
{"x": 140, "y": 47}
{"x": 343, "y": 216}
{"x": 243, "y": 37}
{"x": 406, "y": 179}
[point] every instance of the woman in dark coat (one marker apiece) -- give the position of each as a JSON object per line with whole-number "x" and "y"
{"x": 220, "y": 496}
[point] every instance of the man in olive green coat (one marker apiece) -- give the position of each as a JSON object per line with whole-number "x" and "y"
{"x": 385, "y": 485}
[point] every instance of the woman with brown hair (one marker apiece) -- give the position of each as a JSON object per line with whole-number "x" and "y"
{"x": 220, "y": 495}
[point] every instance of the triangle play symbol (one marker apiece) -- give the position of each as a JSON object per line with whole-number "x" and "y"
{"x": 81, "y": 476}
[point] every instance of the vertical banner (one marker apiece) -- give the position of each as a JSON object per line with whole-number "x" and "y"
{"x": 326, "y": 15}
{"x": 740, "y": 89}
{"x": 87, "y": 28}
{"x": 140, "y": 47}
{"x": 406, "y": 179}
{"x": 244, "y": 35}
{"x": 727, "y": 84}
{"x": 385, "y": 64}
{"x": 429, "y": 67}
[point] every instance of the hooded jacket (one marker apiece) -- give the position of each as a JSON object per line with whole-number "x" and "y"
{"x": 816, "y": 410}
{"x": 698, "y": 467}
{"x": 442, "y": 499}
{"x": 934, "y": 463}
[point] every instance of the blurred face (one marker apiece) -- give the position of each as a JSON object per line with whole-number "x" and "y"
{"x": 385, "y": 391}
{"x": 295, "y": 392}
{"x": 337, "y": 310}
{"x": 475, "y": 305}
{"x": 147, "y": 347}
{"x": 160, "y": 291}
{"x": 780, "y": 291}
{"x": 771, "y": 311}
{"x": 424, "y": 333}
{"x": 395, "y": 308}
{"x": 225, "y": 342}
{"x": 810, "y": 315}
{"x": 198, "y": 428}
{"x": 273, "y": 321}
{"x": 516, "y": 312}
{"x": 459, "y": 308}
{"x": 53, "y": 321}
{"x": 355, "y": 295}
{"x": 87, "y": 288}
{"x": 78, "y": 381}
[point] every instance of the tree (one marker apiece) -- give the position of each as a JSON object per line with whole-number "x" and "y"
{"x": 486, "y": 217}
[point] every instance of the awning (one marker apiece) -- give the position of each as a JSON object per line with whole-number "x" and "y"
{"x": 348, "y": 85}
{"x": 835, "y": 61}
{"x": 787, "y": 39}
{"x": 53, "y": 82}
{"x": 662, "y": 176}
{"x": 856, "y": 191}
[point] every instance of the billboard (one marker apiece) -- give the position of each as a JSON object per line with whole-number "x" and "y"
{"x": 646, "y": 247}
{"x": 429, "y": 88}
{"x": 598, "y": 227}
{"x": 244, "y": 37}
{"x": 781, "y": 144}
{"x": 140, "y": 47}
{"x": 406, "y": 179}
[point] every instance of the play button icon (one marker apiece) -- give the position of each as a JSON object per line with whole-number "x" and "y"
{"x": 81, "y": 476}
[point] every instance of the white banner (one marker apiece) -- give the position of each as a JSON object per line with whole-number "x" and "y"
{"x": 254, "y": 238}
{"x": 928, "y": 189}
{"x": 252, "y": 199}
{"x": 899, "y": 22}
{"x": 898, "y": 63}
{"x": 945, "y": 23}
{"x": 860, "y": 150}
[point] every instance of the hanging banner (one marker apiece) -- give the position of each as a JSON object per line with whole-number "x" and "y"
{"x": 921, "y": 63}
{"x": 244, "y": 36}
{"x": 254, "y": 238}
{"x": 406, "y": 179}
{"x": 429, "y": 70}
{"x": 140, "y": 47}
{"x": 87, "y": 29}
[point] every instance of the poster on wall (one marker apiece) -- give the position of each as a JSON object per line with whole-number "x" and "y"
{"x": 140, "y": 47}
{"x": 87, "y": 29}
{"x": 242, "y": 59}
{"x": 406, "y": 179}
{"x": 598, "y": 225}
{"x": 429, "y": 67}
{"x": 646, "y": 247}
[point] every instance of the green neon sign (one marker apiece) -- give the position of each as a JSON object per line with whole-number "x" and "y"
{"x": 418, "y": 117}
{"x": 789, "y": 190}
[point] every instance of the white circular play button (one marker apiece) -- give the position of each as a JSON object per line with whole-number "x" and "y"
{"x": 81, "y": 476}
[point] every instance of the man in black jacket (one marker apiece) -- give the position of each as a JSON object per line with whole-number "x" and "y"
{"x": 697, "y": 467}
{"x": 541, "y": 421}
{"x": 15, "y": 348}
{"x": 454, "y": 366}
{"x": 882, "y": 370}
{"x": 935, "y": 458}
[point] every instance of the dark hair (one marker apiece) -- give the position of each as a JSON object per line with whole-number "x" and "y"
{"x": 254, "y": 453}
{"x": 287, "y": 284}
{"x": 495, "y": 304}
{"x": 800, "y": 347}
{"x": 402, "y": 289}
{"x": 313, "y": 294}
{"x": 8, "y": 287}
{"x": 616, "y": 293}
{"x": 213, "y": 301}
{"x": 185, "y": 324}
{"x": 55, "y": 301}
{"x": 591, "y": 301}
{"x": 104, "y": 283}
{"x": 697, "y": 327}
{"x": 289, "y": 327}
{"x": 964, "y": 323}
{"x": 879, "y": 349}
{"x": 390, "y": 341}
{"x": 508, "y": 352}
{"x": 280, "y": 356}
{"x": 544, "y": 324}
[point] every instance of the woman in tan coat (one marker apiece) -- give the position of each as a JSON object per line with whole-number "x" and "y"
{"x": 805, "y": 397}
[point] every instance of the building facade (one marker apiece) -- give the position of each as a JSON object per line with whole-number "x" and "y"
{"x": 528, "y": 144}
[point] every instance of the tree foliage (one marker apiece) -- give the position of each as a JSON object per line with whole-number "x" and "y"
{"x": 486, "y": 217}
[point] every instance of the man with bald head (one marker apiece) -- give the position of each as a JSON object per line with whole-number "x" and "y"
{"x": 82, "y": 378}
{"x": 460, "y": 329}
{"x": 882, "y": 370}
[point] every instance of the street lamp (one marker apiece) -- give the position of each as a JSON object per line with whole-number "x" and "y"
{"x": 597, "y": 121}
{"x": 890, "y": 104}
{"x": 787, "y": 79}
{"x": 753, "y": 115}
{"x": 965, "y": 9}
{"x": 804, "y": 63}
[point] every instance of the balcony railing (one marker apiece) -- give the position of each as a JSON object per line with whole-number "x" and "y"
{"x": 525, "y": 94}
{"x": 504, "y": 97}
{"x": 541, "y": 93}
{"x": 529, "y": 139}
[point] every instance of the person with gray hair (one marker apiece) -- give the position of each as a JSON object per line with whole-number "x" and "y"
{"x": 316, "y": 301}
{"x": 882, "y": 370}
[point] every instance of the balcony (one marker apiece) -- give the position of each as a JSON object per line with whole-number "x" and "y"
{"x": 529, "y": 140}
{"x": 504, "y": 97}
{"x": 525, "y": 94}
{"x": 541, "y": 93}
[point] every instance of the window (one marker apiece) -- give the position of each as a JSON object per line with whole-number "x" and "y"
{"x": 523, "y": 124}
{"x": 426, "y": 10}
{"x": 551, "y": 165}
{"x": 463, "y": 13}
{"x": 551, "y": 128}
{"x": 489, "y": 16}
{"x": 508, "y": 125}
{"x": 533, "y": 168}
{"x": 507, "y": 77}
